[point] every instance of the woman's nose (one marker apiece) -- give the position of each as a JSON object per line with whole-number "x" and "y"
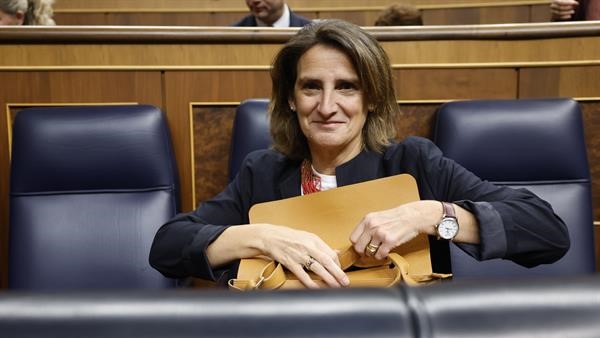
{"x": 328, "y": 104}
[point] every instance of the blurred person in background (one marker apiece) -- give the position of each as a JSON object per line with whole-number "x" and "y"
{"x": 271, "y": 13}
{"x": 400, "y": 15}
{"x": 26, "y": 12}
{"x": 576, "y": 10}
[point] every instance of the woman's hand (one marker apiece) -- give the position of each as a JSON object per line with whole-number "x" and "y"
{"x": 383, "y": 231}
{"x": 297, "y": 249}
{"x": 563, "y": 9}
{"x": 388, "y": 229}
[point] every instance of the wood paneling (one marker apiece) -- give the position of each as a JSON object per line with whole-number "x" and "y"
{"x": 150, "y": 19}
{"x": 476, "y": 15}
{"x": 184, "y": 88}
{"x": 560, "y": 81}
{"x": 591, "y": 124}
{"x": 361, "y": 18}
{"x": 149, "y": 5}
{"x": 540, "y": 13}
{"x": 448, "y": 84}
{"x": 212, "y": 139}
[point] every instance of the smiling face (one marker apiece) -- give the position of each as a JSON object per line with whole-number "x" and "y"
{"x": 329, "y": 102}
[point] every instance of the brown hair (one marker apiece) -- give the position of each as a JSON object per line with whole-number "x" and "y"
{"x": 400, "y": 15}
{"x": 375, "y": 75}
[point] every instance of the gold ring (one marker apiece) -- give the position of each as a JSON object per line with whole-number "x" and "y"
{"x": 309, "y": 262}
{"x": 371, "y": 249}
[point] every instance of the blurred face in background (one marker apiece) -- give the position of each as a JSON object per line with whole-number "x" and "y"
{"x": 11, "y": 19}
{"x": 267, "y": 11}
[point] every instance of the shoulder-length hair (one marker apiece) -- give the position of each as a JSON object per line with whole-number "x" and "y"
{"x": 372, "y": 66}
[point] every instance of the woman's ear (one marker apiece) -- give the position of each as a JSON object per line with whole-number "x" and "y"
{"x": 292, "y": 104}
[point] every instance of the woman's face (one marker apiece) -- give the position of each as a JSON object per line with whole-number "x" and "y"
{"x": 329, "y": 101}
{"x": 11, "y": 20}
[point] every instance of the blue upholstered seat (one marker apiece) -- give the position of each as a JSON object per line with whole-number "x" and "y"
{"x": 250, "y": 132}
{"x": 536, "y": 144}
{"x": 89, "y": 188}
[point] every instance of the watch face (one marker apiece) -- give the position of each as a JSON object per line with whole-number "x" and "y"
{"x": 448, "y": 228}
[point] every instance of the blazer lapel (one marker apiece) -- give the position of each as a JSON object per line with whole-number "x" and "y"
{"x": 290, "y": 185}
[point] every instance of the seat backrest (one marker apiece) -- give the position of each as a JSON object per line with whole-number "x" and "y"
{"x": 89, "y": 187}
{"x": 536, "y": 144}
{"x": 250, "y": 132}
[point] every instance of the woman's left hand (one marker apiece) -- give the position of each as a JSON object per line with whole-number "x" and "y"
{"x": 380, "y": 232}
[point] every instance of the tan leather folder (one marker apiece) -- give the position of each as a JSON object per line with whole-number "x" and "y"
{"x": 333, "y": 215}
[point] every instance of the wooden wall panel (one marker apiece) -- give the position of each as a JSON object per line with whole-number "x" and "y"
{"x": 540, "y": 13}
{"x": 150, "y": 19}
{"x": 296, "y": 4}
{"x": 361, "y": 18}
{"x": 184, "y": 88}
{"x": 591, "y": 124}
{"x": 447, "y": 84}
{"x": 212, "y": 139}
{"x": 570, "y": 81}
{"x": 539, "y": 82}
{"x": 69, "y": 88}
{"x": 476, "y": 15}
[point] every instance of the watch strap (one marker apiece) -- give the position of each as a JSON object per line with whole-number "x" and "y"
{"x": 448, "y": 210}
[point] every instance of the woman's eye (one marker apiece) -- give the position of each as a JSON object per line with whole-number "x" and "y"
{"x": 310, "y": 85}
{"x": 347, "y": 86}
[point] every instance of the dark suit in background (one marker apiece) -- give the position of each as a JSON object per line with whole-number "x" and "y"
{"x": 295, "y": 21}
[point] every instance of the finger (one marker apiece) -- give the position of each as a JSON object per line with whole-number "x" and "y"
{"x": 332, "y": 268}
{"x": 403, "y": 237}
{"x": 330, "y": 280}
{"x": 383, "y": 251}
{"x": 362, "y": 243}
{"x": 358, "y": 230}
{"x": 302, "y": 275}
{"x": 325, "y": 253}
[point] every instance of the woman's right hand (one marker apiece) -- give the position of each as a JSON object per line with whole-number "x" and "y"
{"x": 296, "y": 248}
{"x": 563, "y": 9}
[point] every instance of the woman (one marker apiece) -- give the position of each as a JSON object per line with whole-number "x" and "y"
{"x": 26, "y": 12}
{"x": 332, "y": 117}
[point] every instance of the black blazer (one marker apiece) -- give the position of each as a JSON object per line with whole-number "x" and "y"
{"x": 295, "y": 21}
{"x": 514, "y": 223}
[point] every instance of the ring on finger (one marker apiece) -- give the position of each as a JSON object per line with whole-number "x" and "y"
{"x": 309, "y": 262}
{"x": 371, "y": 249}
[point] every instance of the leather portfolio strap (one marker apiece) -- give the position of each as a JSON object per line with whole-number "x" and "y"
{"x": 369, "y": 273}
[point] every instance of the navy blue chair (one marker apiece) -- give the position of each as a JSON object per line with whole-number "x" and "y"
{"x": 250, "y": 132}
{"x": 536, "y": 144}
{"x": 89, "y": 187}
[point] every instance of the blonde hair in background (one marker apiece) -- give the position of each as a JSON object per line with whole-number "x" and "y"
{"x": 36, "y": 12}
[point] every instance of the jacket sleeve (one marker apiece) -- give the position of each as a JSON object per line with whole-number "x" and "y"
{"x": 179, "y": 247}
{"x": 514, "y": 224}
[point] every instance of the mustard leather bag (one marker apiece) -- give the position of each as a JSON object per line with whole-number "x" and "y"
{"x": 333, "y": 215}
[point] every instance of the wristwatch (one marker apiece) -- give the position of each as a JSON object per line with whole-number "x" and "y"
{"x": 447, "y": 228}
